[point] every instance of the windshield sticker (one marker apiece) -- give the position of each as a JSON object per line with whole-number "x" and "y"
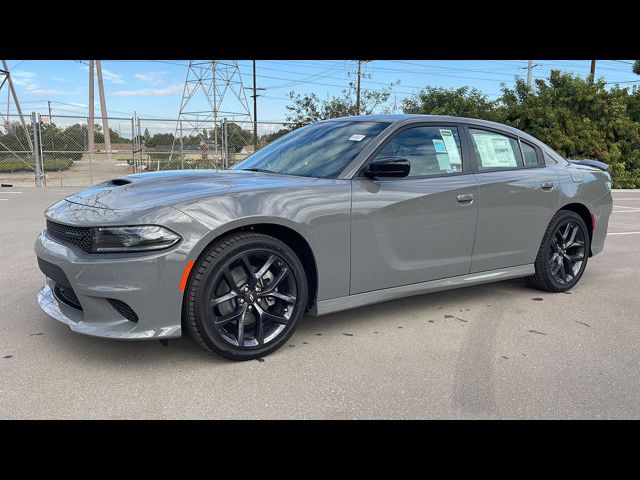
{"x": 439, "y": 146}
{"x": 357, "y": 137}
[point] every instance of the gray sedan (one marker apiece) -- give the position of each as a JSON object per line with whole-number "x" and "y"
{"x": 334, "y": 215}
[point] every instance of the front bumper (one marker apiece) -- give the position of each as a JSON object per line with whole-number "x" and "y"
{"x": 148, "y": 283}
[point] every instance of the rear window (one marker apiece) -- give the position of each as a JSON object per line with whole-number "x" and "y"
{"x": 529, "y": 155}
{"x": 495, "y": 151}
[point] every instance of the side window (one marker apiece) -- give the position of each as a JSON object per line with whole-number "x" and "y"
{"x": 529, "y": 155}
{"x": 495, "y": 151}
{"x": 429, "y": 150}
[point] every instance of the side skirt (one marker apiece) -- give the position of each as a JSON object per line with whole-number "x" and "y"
{"x": 358, "y": 300}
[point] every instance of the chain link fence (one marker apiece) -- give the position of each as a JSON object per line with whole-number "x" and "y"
{"x": 56, "y": 150}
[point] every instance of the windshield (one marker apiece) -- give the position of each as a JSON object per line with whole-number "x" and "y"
{"x": 317, "y": 150}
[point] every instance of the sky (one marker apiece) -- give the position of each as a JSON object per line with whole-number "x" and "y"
{"x": 153, "y": 88}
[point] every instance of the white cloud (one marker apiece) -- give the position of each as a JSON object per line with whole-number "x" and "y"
{"x": 153, "y": 78}
{"x": 24, "y": 74}
{"x": 150, "y": 92}
{"x": 59, "y": 79}
{"x": 29, "y": 85}
{"x": 24, "y": 79}
{"x": 108, "y": 75}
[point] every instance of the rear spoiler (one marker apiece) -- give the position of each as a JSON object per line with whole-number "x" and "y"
{"x": 591, "y": 163}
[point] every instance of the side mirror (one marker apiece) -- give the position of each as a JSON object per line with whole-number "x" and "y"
{"x": 388, "y": 167}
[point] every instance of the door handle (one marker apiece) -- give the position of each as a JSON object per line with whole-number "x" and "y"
{"x": 547, "y": 186}
{"x": 466, "y": 198}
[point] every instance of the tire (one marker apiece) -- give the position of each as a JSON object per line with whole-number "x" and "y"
{"x": 244, "y": 325}
{"x": 553, "y": 246}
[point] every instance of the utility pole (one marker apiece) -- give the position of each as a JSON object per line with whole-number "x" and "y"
{"x": 592, "y": 75}
{"x": 529, "y": 73}
{"x": 103, "y": 109}
{"x": 358, "y": 90}
{"x": 255, "y": 110}
{"x": 91, "y": 123}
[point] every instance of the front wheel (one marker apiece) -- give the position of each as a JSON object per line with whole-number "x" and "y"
{"x": 246, "y": 296}
{"x": 563, "y": 253}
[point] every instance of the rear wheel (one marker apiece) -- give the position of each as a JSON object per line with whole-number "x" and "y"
{"x": 246, "y": 296}
{"x": 563, "y": 253}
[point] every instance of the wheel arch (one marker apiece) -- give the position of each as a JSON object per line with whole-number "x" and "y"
{"x": 285, "y": 233}
{"x": 584, "y": 212}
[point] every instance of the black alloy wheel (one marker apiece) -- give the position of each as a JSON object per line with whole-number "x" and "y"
{"x": 566, "y": 251}
{"x": 245, "y": 296}
{"x": 253, "y": 298}
{"x": 563, "y": 253}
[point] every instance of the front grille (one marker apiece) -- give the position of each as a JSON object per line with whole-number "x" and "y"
{"x": 123, "y": 309}
{"x": 67, "y": 295}
{"x": 79, "y": 236}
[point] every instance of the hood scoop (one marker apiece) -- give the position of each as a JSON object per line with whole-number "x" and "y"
{"x": 118, "y": 182}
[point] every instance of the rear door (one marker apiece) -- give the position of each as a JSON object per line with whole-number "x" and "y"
{"x": 421, "y": 227}
{"x": 517, "y": 196}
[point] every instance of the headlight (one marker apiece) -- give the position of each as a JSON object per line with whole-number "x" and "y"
{"x": 132, "y": 239}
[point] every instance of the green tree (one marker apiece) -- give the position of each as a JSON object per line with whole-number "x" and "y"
{"x": 636, "y": 67}
{"x": 308, "y": 108}
{"x": 237, "y": 137}
{"x": 160, "y": 140}
{"x": 267, "y": 138}
{"x": 460, "y": 102}
{"x": 578, "y": 119}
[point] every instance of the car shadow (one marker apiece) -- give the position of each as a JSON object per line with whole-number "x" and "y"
{"x": 137, "y": 354}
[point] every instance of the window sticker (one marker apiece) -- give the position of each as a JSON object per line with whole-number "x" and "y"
{"x": 356, "y": 137}
{"x": 495, "y": 151}
{"x": 444, "y": 162}
{"x": 452, "y": 149}
{"x": 439, "y": 145}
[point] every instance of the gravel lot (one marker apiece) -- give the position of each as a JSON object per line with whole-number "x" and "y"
{"x": 500, "y": 350}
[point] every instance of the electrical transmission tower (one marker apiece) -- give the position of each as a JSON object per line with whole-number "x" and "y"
{"x": 213, "y": 92}
{"x": 5, "y": 80}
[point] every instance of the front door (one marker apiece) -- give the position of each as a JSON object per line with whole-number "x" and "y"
{"x": 418, "y": 228}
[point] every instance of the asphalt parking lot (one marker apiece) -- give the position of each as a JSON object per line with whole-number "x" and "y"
{"x": 500, "y": 350}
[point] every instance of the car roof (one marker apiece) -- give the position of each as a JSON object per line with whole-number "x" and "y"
{"x": 406, "y": 118}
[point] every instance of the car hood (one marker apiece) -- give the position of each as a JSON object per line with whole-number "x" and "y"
{"x": 167, "y": 188}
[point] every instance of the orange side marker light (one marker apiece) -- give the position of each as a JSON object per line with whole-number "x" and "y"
{"x": 185, "y": 275}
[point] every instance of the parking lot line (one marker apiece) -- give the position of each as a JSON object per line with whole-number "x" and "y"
{"x": 624, "y": 233}
{"x": 627, "y": 211}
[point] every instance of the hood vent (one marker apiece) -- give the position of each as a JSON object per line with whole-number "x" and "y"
{"x": 117, "y": 182}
